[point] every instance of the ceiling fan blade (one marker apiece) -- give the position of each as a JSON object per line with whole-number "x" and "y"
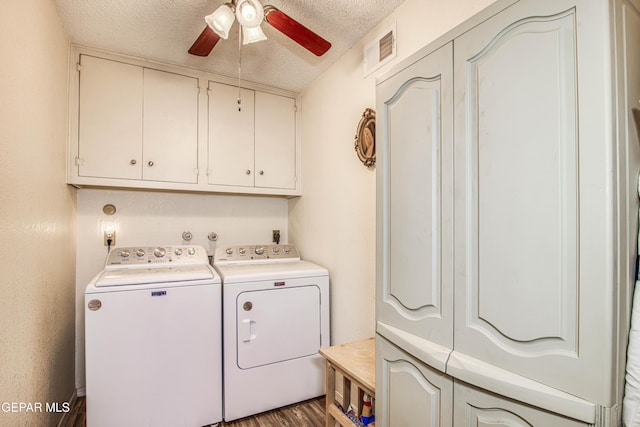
{"x": 205, "y": 42}
{"x": 296, "y": 31}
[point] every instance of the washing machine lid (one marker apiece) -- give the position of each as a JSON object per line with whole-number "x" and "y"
{"x": 241, "y": 273}
{"x": 139, "y": 276}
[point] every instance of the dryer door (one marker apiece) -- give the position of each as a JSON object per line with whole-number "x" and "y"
{"x": 275, "y": 325}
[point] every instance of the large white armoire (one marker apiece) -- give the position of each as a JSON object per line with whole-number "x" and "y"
{"x": 507, "y": 219}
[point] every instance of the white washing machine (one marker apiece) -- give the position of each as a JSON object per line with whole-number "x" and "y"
{"x": 153, "y": 344}
{"x": 275, "y": 318}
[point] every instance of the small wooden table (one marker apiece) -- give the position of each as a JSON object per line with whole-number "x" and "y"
{"x": 355, "y": 361}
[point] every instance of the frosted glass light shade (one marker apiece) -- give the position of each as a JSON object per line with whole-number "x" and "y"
{"x": 252, "y": 35}
{"x": 249, "y": 13}
{"x": 221, "y": 20}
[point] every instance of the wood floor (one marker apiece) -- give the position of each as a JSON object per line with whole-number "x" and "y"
{"x": 304, "y": 414}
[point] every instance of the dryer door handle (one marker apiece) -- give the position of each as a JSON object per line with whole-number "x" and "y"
{"x": 246, "y": 330}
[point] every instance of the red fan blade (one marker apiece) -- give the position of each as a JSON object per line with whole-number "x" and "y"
{"x": 296, "y": 31}
{"x": 205, "y": 42}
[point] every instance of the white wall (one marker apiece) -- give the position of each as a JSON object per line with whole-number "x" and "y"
{"x": 145, "y": 218}
{"x": 37, "y": 213}
{"x": 333, "y": 223}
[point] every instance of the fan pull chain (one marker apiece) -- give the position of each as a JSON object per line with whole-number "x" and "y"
{"x": 239, "y": 64}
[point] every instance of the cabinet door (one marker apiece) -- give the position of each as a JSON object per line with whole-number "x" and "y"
{"x": 408, "y": 392}
{"x": 415, "y": 212}
{"x": 170, "y": 141}
{"x": 275, "y": 142}
{"x": 531, "y": 196}
{"x": 474, "y": 407}
{"x": 231, "y": 136}
{"x": 110, "y": 119}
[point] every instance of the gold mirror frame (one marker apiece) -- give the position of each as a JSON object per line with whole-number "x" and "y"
{"x": 365, "y": 144}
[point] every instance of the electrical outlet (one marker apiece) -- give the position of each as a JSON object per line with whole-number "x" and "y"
{"x": 110, "y": 235}
{"x": 275, "y": 236}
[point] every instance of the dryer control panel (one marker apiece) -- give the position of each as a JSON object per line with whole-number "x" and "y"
{"x": 255, "y": 253}
{"x": 160, "y": 256}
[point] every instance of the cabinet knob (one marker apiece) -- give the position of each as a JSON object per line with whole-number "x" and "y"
{"x": 248, "y": 172}
{"x": 261, "y": 172}
{"x": 150, "y": 163}
{"x": 133, "y": 161}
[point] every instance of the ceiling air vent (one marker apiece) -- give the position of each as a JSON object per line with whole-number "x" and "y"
{"x": 380, "y": 51}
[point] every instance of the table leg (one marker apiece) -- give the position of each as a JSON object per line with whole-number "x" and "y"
{"x": 330, "y": 397}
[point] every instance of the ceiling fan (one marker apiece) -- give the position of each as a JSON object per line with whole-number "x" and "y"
{"x": 250, "y": 14}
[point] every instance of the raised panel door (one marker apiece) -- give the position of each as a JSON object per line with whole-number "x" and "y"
{"x": 528, "y": 221}
{"x": 275, "y": 141}
{"x": 231, "y": 135}
{"x": 474, "y": 407}
{"x": 170, "y": 131}
{"x": 415, "y": 212}
{"x": 110, "y": 119}
{"x": 409, "y": 392}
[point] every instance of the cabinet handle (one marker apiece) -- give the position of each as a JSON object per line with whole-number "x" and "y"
{"x": 261, "y": 172}
{"x": 150, "y": 163}
{"x": 248, "y": 172}
{"x": 133, "y": 161}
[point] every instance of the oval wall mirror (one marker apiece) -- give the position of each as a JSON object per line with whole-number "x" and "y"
{"x": 365, "y": 144}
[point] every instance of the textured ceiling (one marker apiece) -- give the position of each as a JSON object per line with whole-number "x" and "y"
{"x": 163, "y": 30}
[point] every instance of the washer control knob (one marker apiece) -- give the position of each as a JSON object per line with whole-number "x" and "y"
{"x": 125, "y": 253}
{"x": 242, "y": 251}
{"x": 275, "y": 251}
{"x": 139, "y": 253}
{"x": 229, "y": 251}
{"x": 159, "y": 252}
{"x": 178, "y": 251}
{"x": 286, "y": 250}
{"x": 191, "y": 251}
{"x": 259, "y": 250}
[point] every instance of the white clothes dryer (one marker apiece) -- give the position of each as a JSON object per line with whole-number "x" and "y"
{"x": 153, "y": 339}
{"x": 275, "y": 319}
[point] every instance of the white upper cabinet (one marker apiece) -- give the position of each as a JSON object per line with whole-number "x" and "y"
{"x": 136, "y": 123}
{"x": 143, "y": 125}
{"x": 110, "y": 122}
{"x": 251, "y": 144}
{"x": 231, "y": 135}
{"x": 170, "y": 127}
{"x": 275, "y": 141}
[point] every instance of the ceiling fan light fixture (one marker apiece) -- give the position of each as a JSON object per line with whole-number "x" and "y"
{"x": 221, "y": 20}
{"x": 249, "y": 13}
{"x": 252, "y": 35}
